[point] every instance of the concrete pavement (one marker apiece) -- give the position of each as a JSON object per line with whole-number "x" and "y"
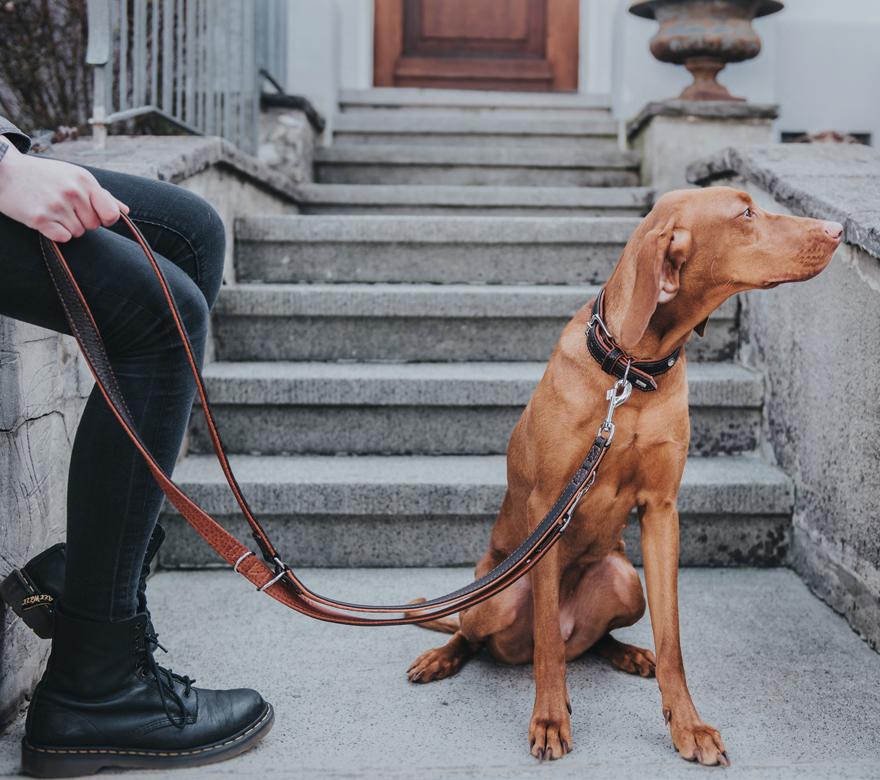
{"x": 792, "y": 689}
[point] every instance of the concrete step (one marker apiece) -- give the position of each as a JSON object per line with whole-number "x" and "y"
{"x": 475, "y": 165}
{"x": 539, "y": 250}
{"x": 428, "y": 408}
{"x": 451, "y": 200}
{"x": 416, "y": 510}
{"x": 390, "y": 127}
{"x": 415, "y": 322}
{"x": 506, "y": 105}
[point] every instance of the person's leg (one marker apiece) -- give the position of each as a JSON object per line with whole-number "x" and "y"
{"x": 103, "y": 700}
{"x": 113, "y": 500}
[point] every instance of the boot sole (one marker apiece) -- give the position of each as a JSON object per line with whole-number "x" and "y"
{"x": 75, "y": 762}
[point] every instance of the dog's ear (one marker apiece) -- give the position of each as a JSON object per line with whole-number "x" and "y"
{"x": 652, "y": 261}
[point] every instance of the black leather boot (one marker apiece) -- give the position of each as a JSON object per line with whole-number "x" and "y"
{"x": 105, "y": 702}
{"x": 33, "y": 590}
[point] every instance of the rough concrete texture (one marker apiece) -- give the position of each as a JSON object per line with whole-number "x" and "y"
{"x": 823, "y": 420}
{"x": 436, "y": 510}
{"x": 287, "y": 143}
{"x": 670, "y": 139}
{"x": 474, "y": 165}
{"x": 428, "y": 408}
{"x": 485, "y": 101}
{"x": 445, "y": 250}
{"x": 826, "y": 181}
{"x": 701, "y": 109}
{"x": 211, "y": 167}
{"x": 419, "y": 322}
{"x": 791, "y": 689}
{"x": 43, "y": 383}
{"x": 463, "y": 128}
{"x": 414, "y": 199}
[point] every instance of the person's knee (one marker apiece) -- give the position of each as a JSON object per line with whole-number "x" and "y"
{"x": 211, "y": 232}
{"x": 194, "y": 310}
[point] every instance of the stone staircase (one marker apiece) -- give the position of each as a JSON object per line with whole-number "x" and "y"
{"x": 376, "y": 350}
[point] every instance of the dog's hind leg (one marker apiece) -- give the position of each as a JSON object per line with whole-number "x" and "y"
{"x": 608, "y": 596}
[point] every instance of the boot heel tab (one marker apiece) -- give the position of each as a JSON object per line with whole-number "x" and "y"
{"x": 37, "y": 610}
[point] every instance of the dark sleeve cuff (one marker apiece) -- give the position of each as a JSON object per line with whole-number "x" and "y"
{"x": 18, "y": 138}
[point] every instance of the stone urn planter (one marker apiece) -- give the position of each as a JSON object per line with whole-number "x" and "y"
{"x": 704, "y": 35}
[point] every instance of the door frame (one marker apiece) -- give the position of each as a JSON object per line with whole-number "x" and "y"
{"x": 563, "y": 41}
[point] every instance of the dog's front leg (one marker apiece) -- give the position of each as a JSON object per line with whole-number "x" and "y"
{"x": 695, "y": 740}
{"x": 550, "y": 727}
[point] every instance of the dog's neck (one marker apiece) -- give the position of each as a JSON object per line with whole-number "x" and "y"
{"x": 672, "y": 323}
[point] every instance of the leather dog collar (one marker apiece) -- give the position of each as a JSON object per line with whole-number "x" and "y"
{"x": 613, "y": 359}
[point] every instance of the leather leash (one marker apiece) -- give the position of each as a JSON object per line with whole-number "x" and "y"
{"x": 271, "y": 575}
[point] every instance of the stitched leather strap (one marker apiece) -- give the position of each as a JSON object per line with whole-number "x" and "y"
{"x": 606, "y": 352}
{"x": 271, "y": 575}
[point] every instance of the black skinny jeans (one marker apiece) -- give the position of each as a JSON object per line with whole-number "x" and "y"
{"x": 112, "y": 500}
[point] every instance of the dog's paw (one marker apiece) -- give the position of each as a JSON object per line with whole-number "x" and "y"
{"x": 550, "y": 732}
{"x": 697, "y": 742}
{"x": 633, "y": 660}
{"x": 435, "y": 664}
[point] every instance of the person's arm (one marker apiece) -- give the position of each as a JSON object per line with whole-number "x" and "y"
{"x": 58, "y": 199}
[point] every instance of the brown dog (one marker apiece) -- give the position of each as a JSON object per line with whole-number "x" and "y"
{"x": 695, "y": 249}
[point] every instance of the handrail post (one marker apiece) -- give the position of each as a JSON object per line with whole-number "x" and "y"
{"x": 98, "y": 55}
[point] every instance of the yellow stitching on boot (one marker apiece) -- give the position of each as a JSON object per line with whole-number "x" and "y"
{"x": 155, "y": 754}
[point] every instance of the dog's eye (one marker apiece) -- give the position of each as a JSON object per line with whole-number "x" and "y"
{"x": 748, "y": 213}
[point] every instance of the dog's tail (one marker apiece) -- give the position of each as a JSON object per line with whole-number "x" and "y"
{"x": 446, "y": 625}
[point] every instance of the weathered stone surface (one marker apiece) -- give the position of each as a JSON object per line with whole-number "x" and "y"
{"x": 43, "y": 384}
{"x": 701, "y": 109}
{"x": 827, "y": 181}
{"x": 808, "y": 338}
{"x": 477, "y": 165}
{"x": 427, "y": 408}
{"x": 670, "y": 136}
{"x": 414, "y": 322}
{"x": 287, "y": 143}
{"x": 457, "y": 127}
{"x": 436, "y": 510}
{"x": 414, "y": 199}
{"x": 496, "y": 250}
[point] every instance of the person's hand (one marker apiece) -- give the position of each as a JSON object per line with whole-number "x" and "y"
{"x": 60, "y": 200}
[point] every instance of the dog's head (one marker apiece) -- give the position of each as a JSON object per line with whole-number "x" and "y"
{"x": 698, "y": 247}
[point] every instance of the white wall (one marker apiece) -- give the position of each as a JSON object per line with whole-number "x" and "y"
{"x": 820, "y": 61}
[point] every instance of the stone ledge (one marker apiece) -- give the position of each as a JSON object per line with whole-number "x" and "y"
{"x": 175, "y": 158}
{"x": 826, "y": 181}
{"x": 700, "y": 109}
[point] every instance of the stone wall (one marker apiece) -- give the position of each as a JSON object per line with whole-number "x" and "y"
{"x": 817, "y": 344}
{"x": 44, "y": 382}
{"x": 43, "y": 386}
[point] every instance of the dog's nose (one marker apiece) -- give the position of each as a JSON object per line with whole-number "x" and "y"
{"x": 833, "y": 230}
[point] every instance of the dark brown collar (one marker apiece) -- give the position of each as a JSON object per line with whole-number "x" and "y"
{"x": 614, "y": 360}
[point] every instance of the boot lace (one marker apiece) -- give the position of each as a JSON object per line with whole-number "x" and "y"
{"x": 165, "y": 680}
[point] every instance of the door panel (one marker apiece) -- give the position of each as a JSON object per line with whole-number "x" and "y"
{"x": 477, "y": 44}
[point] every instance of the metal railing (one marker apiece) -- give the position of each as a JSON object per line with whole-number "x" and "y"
{"x": 196, "y": 63}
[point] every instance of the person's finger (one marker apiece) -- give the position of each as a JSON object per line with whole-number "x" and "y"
{"x": 105, "y": 206}
{"x": 62, "y": 211}
{"x": 123, "y": 207}
{"x": 86, "y": 214}
{"x": 55, "y": 231}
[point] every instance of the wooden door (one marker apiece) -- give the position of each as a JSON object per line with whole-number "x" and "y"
{"x": 476, "y": 44}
